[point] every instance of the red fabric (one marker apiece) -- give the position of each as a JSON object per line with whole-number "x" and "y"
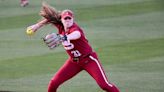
{"x": 88, "y": 61}
{"x": 80, "y": 44}
{"x": 67, "y": 14}
{"x": 70, "y": 69}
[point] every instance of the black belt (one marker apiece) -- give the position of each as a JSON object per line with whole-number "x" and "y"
{"x": 77, "y": 59}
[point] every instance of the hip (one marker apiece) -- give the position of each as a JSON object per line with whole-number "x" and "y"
{"x": 84, "y": 59}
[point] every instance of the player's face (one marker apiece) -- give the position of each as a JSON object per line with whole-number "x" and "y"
{"x": 67, "y": 21}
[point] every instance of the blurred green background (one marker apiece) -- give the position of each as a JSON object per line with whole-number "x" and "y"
{"x": 128, "y": 36}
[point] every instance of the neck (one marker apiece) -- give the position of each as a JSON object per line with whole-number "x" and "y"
{"x": 67, "y": 28}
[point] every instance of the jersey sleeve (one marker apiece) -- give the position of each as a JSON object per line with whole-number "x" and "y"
{"x": 60, "y": 28}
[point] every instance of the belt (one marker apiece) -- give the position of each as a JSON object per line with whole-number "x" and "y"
{"x": 77, "y": 59}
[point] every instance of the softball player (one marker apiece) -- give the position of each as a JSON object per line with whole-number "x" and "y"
{"x": 81, "y": 54}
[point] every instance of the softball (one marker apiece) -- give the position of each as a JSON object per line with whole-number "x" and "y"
{"x": 29, "y": 31}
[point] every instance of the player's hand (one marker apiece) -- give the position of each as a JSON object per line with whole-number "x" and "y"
{"x": 31, "y": 29}
{"x": 52, "y": 40}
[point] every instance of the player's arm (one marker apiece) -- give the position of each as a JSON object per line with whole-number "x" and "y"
{"x": 74, "y": 35}
{"x": 40, "y": 24}
{"x": 67, "y": 38}
{"x": 33, "y": 28}
{"x": 50, "y": 15}
{"x": 53, "y": 40}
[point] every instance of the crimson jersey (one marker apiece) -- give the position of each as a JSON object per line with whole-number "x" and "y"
{"x": 83, "y": 59}
{"x": 79, "y": 47}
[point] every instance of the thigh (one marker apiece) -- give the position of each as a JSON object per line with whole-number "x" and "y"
{"x": 67, "y": 71}
{"x": 95, "y": 69}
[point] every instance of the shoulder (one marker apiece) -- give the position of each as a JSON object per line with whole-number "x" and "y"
{"x": 75, "y": 27}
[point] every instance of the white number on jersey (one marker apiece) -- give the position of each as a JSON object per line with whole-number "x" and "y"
{"x": 76, "y": 53}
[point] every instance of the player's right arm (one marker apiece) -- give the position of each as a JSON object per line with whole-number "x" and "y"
{"x": 50, "y": 15}
{"x": 38, "y": 25}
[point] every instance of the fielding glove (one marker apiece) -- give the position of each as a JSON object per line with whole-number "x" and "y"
{"x": 54, "y": 40}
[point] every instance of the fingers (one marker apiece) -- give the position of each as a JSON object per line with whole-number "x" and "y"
{"x": 31, "y": 29}
{"x": 52, "y": 43}
{"x": 52, "y": 40}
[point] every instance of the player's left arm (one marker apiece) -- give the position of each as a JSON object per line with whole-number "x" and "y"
{"x": 53, "y": 40}
{"x": 74, "y": 35}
